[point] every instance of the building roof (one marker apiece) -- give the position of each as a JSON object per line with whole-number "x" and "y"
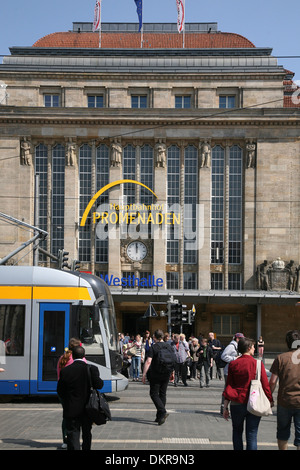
{"x": 151, "y": 40}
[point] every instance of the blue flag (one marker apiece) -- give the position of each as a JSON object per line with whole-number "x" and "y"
{"x": 139, "y": 9}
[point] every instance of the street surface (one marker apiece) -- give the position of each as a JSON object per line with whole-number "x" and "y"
{"x": 194, "y": 423}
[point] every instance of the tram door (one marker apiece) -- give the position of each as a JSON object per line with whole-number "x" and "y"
{"x": 53, "y": 338}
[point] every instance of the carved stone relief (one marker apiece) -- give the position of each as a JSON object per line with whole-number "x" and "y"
{"x": 278, "y": 276}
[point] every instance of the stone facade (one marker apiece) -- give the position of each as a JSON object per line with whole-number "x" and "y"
{"x": 259, "y": 129}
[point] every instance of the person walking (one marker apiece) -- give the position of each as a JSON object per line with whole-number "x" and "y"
{"x": 181, "y": 350}
{"x": 260, "y": 347}
{"x": 66, "y": 360}
{"x": 229, "y": 354}
{"x": 136, "y": 358}
{"x": 73, "y": 388}
{"x": 147, "y": 343}
{"x": 158, "y": 368}
{"x": 205, "y": 361}
{"x": 194, "y": 346}
{"x": 286, "y": 370}
{"x": 216, "y": 347}
{"x": 240, "y": 373}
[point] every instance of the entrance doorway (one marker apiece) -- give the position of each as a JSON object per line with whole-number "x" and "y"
{"x": 134, "y": 324}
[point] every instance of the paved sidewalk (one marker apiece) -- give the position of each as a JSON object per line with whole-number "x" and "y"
{"x": 194, "y": 422}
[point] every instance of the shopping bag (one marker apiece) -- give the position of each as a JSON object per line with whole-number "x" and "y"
{"x": 258, "y": 403}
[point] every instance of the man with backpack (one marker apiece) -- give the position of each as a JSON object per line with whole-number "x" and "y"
{"x": 158, "y": 368}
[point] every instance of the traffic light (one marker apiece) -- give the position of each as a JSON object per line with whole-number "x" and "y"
{"x": 63, "y": 259}
{"x": 191, "y": 316}
{"x": 184, "y": 314}
{"x": 75, "y": 265}
{"x": 174, "y": 311}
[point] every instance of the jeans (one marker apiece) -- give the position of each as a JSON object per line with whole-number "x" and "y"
{"x": 204, "y": 373}
{"x": 136, "y": 362}
{"x": 284, "y": 422}
{"x": 239, "y": 415}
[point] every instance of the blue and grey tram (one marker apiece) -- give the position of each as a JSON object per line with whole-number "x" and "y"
{"x": 40, "y": 310}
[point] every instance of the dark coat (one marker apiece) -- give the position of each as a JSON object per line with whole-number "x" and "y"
{"x": 73, "y": 387}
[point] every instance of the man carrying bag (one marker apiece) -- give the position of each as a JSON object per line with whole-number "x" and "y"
{"x": 74, "y": 390}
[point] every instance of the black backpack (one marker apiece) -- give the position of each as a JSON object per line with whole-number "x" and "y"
{"x": 219, "y": 362}
{"x": 165, "y": 359}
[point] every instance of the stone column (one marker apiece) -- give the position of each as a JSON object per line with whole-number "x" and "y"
{"x": 71, "y": 195}
{"x": 115, "y": 194}
{"x": 204, "y": 214}
{"x": 160, "y": 189}
{"x": 250, "y": 215}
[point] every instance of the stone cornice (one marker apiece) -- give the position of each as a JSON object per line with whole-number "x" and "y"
{"x": 152, "y": 117}
{"x": 24, "y": 74}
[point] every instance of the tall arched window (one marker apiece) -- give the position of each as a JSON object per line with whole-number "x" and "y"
{"x": 102, "y": 179}
{"x": 85, "y": 189}
{"x": 58, "y": 199}
{"x": 41, "y": 169}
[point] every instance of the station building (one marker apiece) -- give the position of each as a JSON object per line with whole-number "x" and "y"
{"x": 169, "y": 168}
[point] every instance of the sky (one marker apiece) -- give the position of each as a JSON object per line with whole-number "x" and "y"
{"x": 268, "y": 23}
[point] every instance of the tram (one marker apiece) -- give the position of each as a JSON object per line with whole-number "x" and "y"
{"x": 40, "y": 310}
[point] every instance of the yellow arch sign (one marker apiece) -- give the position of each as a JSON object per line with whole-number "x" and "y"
{"x": 102, "y": 190}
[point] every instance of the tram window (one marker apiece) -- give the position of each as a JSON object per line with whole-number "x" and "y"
{"x": 12, "y": 322}
{"x": 90, "y": 334}
{"x": 110, "y": 327}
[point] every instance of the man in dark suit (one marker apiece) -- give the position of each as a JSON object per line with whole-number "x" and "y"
{"x": 73, "y": 389}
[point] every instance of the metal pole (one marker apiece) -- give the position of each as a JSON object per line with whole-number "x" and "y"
{"x": 36, "y": 219}
{"x": 258, "y": 321}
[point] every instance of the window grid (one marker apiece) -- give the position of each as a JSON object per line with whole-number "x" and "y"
{"x": 216, "y": 281}
{"x": 235, "y": 205}
{"x": 95, "y": 101}
{"x": 129, "y": 172}
{"x": 226, "y": 324}
{"x": 147, "y": 174}
{"x": 190, "y": 281}
{"x": 217, "y": 205}
{"x": 172, "y": 281}
{"x": 173, "y": 197}
{"x": 145, "y": 274}
{"x": 41, "y": 169}
{"x": 51, "y": 101}
{"x": 102, "y": 179}
{"x": 58, "y": 198}
{"x": 85, "y": 183}
{"x": 234, "y": 281}
{"x": 227, "y": 101}
{"x": 190, "y": 201}
{"x": 126, "y": 275}
{"x": 139, "y": 101}
{"x": 182, "y": 101}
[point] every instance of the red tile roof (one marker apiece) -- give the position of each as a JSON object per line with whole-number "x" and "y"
{"x": 151, "y": 40}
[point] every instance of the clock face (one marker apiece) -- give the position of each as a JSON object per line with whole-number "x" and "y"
{"x": 136, "y": 251}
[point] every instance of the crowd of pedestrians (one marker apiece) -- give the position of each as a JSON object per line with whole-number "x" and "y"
{"x": 198, "y": 358}
{"x": 164, "y": 360}
{"x": 195, "y": 357}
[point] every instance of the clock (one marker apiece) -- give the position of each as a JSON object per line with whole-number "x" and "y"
{"x": 136, "y": 251}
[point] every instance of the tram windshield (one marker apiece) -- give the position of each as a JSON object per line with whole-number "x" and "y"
{"x": 90, "y": 333}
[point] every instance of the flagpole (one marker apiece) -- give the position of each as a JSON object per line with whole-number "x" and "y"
{"x": 142, "y": 29}
{"x": 183, "y": 36}
{"x": 100, "y": 29}
{"x": 142, "y": 36}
